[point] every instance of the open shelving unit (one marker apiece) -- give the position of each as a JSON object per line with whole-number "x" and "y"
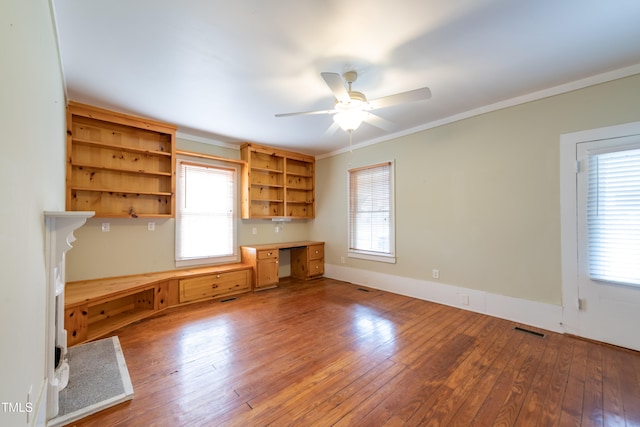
{"x": 119, "y": 165}
{"x": 111, "y": 315}
{"x": 277, "y": 183}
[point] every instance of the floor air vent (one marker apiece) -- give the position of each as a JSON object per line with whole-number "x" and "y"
{"x": 538, "y": 334}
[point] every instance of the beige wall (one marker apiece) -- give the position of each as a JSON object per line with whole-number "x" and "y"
{"x": 128, "y": 248}
{"x": 32, "y": 168}
{"x": 477, "y": 199}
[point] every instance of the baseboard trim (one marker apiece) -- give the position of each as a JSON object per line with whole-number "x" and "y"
{"x": 532, "y": 313}
{"x": 38, "y": 417}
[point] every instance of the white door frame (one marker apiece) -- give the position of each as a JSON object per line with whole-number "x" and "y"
{"x": 569, "y": 212}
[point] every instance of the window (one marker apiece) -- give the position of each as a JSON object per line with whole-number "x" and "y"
{"x": 613, "y": 216}
{"x": 205, "y": 213}
{"x": 371, "y": 213}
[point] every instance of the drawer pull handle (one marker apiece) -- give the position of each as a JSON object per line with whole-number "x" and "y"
{"x": 214, "y": 286}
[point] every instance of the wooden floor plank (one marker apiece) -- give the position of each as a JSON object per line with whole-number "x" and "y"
{"x": 449, "y": 398}
{"x": 348, "y": 399}
{"x": 612, "y": 389}
{"x": 552, "y": 404}
{"x": 533, "y": 404}
{"x": 571, "y": 411}
{"x": 327, "y": 352}
{"x": 629, "y": 365}
{"x": 592, "y": 410}
{"x": 437, "y": 373}
{"x": 507, "y": 394}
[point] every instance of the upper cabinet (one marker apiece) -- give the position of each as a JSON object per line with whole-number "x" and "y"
{"x": 277, "y": 183}
{"x": 119, "y": 165}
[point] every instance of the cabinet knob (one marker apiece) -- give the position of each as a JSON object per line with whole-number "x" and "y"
{"x": 269, "y": 253}
{"x": 317, "y": 251}
{"x": 317, "y": 267}
{"x": 217, "y": 276}
{"x": 214, "y": 286}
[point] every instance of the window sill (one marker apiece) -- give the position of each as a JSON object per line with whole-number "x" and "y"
{"x": 207, "y": 261}
{"x": 370, "y": 257}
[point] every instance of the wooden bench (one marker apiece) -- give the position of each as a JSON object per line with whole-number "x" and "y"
{"x": 94, "y": 308}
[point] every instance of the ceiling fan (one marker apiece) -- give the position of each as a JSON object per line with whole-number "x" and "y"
{"x": 351, "y": 108}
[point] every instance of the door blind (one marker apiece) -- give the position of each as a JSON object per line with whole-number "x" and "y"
{"x": 613, "y": 216}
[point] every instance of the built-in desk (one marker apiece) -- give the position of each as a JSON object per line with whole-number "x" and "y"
{"x": 307, "y": 261}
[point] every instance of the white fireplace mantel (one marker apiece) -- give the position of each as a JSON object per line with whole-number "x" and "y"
{"x": 59, "y": 228}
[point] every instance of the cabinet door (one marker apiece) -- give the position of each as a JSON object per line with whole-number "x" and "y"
{"x": 267, "y": 273}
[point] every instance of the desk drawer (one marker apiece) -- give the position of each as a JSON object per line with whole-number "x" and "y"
{"x": 268, "y": 254}
{"x": 316, "y": 252}
{"x": 214, "y": 285}
{"x": 316, "y": 268}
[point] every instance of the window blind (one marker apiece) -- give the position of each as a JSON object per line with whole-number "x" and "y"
{"x": 205, "y": 222}
{"x": 613, "y": 216}
{"x": 370, "y": 210}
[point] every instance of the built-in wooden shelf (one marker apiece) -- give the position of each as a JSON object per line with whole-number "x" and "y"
{"x": 119, "y": 165}
{"x": 277, "y": 183}
{"x": 115, "y": 169}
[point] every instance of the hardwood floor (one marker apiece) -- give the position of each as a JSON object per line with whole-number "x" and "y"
{"x": 332, "y": 353}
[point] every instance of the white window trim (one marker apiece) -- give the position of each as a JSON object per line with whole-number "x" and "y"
{"x": 235, "y": 257}
{"x": 367, "y": 255}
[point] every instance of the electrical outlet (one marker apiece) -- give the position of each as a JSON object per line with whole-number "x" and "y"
{"x": 254, "y": 230}
{"x": 435, "y": 273}
{"x": 342, "y": 260}
{"x": 151, "y": 226}
{"x": 105, "y": 227}
{"x": 464, "y": 299}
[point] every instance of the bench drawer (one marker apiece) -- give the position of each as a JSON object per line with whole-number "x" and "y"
{"x": 213, "y": 285}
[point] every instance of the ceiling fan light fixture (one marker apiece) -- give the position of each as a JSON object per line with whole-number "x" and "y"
{"x": 349, "y": 120}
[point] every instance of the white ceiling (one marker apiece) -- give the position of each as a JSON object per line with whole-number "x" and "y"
{"x": 222, "y": 69}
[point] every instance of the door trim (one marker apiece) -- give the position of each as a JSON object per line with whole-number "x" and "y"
{"x": 569, "y": 212}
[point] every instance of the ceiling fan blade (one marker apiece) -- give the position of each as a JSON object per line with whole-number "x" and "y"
{"x": 334, "y": 81}
{"x": 306, "y": 113}
{"x": 401, "y": 98}
{"x": 380, "y": 123}
{"x": 332, "y": 129}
